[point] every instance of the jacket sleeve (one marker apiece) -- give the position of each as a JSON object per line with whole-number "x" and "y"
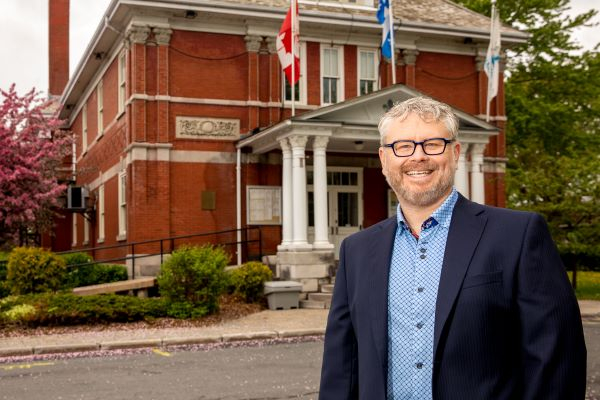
{"x": 553, "y": 346}
{"x": 339, "y": 374}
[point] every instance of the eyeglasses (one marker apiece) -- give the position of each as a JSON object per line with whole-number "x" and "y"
{"x": 431, "y": 147}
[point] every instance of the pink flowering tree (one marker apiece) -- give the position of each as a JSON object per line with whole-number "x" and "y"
{"x": 32, "y": 150}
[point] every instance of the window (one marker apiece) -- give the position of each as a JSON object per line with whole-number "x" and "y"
{"x": 86, "y": 231}
{"x": 100, "y": 99}
{"x": 332, "y": 67}
{"x": 101, "y": 214}
{"x": 367, "y": 71}
{"x": 122, "y": 74}
{"x": 84, "y": 129}
{"x": 300, "y": 90}
{"x": 74, "y": 233}
{"x": 122, "y": 205}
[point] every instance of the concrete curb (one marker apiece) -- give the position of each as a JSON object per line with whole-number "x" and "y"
{"x": 156, "y": 343}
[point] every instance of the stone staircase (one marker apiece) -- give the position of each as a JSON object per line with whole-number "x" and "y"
{"x": 321, "y": 299}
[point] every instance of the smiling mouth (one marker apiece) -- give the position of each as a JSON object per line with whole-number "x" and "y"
{"x": 419, "y": 173}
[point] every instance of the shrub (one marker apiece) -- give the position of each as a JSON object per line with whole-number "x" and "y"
{"x": 194, "y": 275}
{"x": 94, "y": 274}
{"x": 69, "y": 309}
{"x": 247, "y": 281}
{"x": 34, "y": 270}
{"x": 4, "y": 288}
{"x": 74, "y": 259}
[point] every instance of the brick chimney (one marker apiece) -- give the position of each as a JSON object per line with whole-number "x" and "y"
{"x": 58, "y": 46}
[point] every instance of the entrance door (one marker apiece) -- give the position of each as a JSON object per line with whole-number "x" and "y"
{"x": 344, "y": 204}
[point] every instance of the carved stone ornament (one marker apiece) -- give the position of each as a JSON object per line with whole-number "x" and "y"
{"x": 410, "y": 56}
{"x": 138, "y": 34}
{"x": 162, "y": 35}
{"x": 207, "y": 128}
{"x": 253, "y": 43}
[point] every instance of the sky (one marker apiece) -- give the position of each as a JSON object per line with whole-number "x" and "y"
{"x": 24, "y": 37}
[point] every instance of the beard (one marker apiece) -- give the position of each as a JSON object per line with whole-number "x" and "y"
{"x": 425, "y": 197}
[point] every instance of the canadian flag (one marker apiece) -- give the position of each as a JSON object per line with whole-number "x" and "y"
{"x": 286, "y": 37}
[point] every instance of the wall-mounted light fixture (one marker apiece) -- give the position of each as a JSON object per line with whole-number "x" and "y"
{"x": 359, "y": 145}
{"x": 191, "y": 14}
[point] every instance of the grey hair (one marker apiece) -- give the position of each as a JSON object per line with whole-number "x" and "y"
{"x": 427, "y": 109}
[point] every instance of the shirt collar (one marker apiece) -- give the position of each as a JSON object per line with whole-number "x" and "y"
{"x": 442, "y": 215}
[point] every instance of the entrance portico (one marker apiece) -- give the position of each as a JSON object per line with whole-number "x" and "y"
{"x": 347, "y": 131}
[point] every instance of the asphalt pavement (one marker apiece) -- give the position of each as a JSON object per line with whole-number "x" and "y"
{"x": 268, "y": 324}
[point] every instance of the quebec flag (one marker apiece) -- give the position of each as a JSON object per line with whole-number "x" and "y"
{"x": 384, "y": 18}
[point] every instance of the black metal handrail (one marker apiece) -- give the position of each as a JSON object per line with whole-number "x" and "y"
{"x": 172, "y": 246}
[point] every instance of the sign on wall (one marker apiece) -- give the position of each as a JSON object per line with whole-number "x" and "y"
{"x": 263, "y": 205}
{"x": 207, "y": 128}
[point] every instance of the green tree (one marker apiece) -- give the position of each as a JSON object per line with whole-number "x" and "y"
{"x": 553, "y": 109}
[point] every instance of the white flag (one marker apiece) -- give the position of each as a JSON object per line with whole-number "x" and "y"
{"x": 492, "y": 60}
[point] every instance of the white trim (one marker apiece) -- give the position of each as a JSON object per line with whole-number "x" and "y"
{"x": 302, "y": 95}
{"x": 340, "y": 70}
{"x": 377, "y": 81}
{"x": 121, "y": 81}
{"x": 100, "y": 108}
{"x": 101, "y": 213}
{"x": 74, "y": 230}
{"x": 86, "y": 231}
{"x": 84, "y": 130}
{"x": 208, "y": 157}
{"x": 122, "y": 203}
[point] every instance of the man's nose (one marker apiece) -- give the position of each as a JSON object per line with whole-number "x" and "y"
{"x": 419, "y": 152}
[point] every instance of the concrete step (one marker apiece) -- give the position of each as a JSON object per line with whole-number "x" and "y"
{"x": 325, "y": 297}
{"x": 327, "y": 288}
{"x": 312, "y": 304}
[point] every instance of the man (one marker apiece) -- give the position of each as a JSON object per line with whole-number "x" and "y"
{"x": 450, "y": 299}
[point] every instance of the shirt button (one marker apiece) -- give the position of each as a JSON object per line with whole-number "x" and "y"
{"x": 420, "y": 289}
{"x": 419, "y": 365}
{"x": 423, "y": 256}
{"x": 419, "y": 325}
{"x": 423, "y": 250}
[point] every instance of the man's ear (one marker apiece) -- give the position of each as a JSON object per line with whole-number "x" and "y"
{"x": 457, "y": 147}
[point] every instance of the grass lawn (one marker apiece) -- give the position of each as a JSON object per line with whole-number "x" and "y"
{"x": 588, "y": 285}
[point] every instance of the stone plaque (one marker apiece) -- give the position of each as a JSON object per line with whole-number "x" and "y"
{"x": 207, "y": 128}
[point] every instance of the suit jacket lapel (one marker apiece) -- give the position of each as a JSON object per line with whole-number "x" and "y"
{"x": 466, "y": 228}
{"x": 382, "y": 246}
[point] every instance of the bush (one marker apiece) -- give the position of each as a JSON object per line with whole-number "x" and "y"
{"x": 94, "y": 274}
{"x": 247, "y": 281}
{"x": 4, "y": 288}
{"x": 34, "y": 270}
{"x": 74, "y": 259}
{"x": 193, "y": 275}
{"x": 69, "y": 309}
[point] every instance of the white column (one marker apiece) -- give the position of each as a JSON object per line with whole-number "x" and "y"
{"x": 299, "y": 194}
{"x": 462, "y": 173}
{"x": 286, "y": 189}
{"x": 320, "y": 193}
{"x": 477, "y": 183}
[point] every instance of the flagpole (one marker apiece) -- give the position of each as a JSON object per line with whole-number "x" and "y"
{"x": 392, "y": 44}
{"x": 293, "y": 41}
{"x": 488, "y": 100}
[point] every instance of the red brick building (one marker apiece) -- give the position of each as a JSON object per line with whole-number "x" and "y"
{"x": 184, "y": 124}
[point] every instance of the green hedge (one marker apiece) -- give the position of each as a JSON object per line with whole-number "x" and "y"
{"x": 193, "y": 278}
{"x": 247, "y": 282}
{"x": 34, "y": 270}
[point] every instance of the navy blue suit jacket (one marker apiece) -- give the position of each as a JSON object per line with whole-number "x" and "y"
{"x": 507, "y": 324}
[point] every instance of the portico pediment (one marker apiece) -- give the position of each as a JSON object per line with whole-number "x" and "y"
{"x": 352, "y": 125}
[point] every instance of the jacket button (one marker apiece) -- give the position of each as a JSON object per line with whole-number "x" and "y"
{"x": 419, "y": 365}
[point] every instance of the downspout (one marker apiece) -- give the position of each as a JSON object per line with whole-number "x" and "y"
{"x": 238, "y": 201}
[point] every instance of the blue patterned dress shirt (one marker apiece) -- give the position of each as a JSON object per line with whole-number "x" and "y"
{"x": 415, "y": 271}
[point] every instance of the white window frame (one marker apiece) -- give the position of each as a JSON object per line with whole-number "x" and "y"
{"x": 302, "y": 81}
{"x": 122, "y": 203}
{"x": 359, "y": 68}
{"x": 74, "y": 231}
{"x": 340, "y": 76}
{"x": 86, "y": 231}
{"x": 84, "y": 129}
{"x": 101, "y": 233}
{"x": 100, "y": 101}
{"x": 122, "y": 75}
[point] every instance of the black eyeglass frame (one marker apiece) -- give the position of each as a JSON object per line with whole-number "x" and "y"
{"x": 393, "y": 144}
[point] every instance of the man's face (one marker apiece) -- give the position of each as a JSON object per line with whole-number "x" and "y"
{"x": 419, "y": 180}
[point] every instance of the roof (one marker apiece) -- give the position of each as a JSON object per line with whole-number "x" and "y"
{"x": 406, "y": 12}
{"x": 356, "y": 119}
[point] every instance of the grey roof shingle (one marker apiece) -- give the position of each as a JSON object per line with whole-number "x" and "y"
{"x": 438, "y": 12}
